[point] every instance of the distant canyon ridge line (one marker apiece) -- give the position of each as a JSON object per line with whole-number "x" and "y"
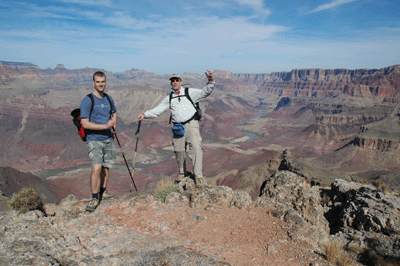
{"x": 320, "y": 123}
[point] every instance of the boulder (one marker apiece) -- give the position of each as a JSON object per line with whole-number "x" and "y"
{"x": 287, "y": 196}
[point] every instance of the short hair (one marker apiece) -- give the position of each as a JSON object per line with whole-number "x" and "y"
{"x": 98, "y": 74}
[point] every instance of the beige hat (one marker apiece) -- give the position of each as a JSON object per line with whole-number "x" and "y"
{"x": 175, "y": 76}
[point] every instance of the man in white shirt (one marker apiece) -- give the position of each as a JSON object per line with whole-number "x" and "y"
{"x": 183, "y": 111}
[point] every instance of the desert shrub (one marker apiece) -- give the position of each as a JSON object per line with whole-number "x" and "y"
{"x": 353, "y": 247}
{"x": 332, "y": 249}
{"x": 325, "y": 199}
{"x": 377, "y": 183}
{"x": 27, "y": 200}
{"x": 164, "y": 187}
{"x": 344, "y": 259}
{"x": 363, "y": 181}
{"x": 380, "y": 185}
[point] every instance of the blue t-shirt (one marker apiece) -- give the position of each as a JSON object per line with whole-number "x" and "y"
{"x": 100, "y": 115}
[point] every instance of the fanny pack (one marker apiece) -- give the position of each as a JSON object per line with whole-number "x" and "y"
{"x": 178, "y": 130}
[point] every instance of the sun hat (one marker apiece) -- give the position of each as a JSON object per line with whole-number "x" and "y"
{"x": 175, "y": 76}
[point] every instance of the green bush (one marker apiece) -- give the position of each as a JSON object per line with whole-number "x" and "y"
{"x": 164, "y": 187}
{"x": 27, "y": 200}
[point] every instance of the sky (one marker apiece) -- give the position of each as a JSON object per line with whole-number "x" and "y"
{"x": 163, "y": 37}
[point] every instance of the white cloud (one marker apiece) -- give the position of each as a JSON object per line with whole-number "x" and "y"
{"x": 333, "y": 4}
{"x": 107, "y": 3}
{"x": 122, "y": 19}
{"x": 256, "y": 5}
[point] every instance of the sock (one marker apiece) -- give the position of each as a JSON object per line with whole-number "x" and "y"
{"x": 95, "y": 195}
{"x": 102, "y": 189}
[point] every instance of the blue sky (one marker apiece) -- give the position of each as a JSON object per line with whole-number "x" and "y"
{"x": 241, "y": 36}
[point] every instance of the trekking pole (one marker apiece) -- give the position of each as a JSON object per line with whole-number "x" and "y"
{"x": 123, "y": 155}
{"x": 137, "y": 140}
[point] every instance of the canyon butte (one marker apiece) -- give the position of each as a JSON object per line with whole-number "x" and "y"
{"x": 322, "y": 125}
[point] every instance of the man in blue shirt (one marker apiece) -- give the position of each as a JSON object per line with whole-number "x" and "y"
{"x": 99, "y": 125}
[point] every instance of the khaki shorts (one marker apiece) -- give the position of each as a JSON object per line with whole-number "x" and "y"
{"x": 102, "y": 152}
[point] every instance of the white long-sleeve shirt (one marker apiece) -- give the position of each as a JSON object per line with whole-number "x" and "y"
{"x": 181, "y": 108}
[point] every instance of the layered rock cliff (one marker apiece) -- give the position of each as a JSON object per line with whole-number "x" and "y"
{"x": 329, "y": 82}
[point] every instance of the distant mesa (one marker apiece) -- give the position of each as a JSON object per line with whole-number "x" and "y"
{"x": 60, "y": 66}
{"x": 18, "y": 65}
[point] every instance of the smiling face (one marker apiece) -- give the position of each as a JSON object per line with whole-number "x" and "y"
{"x": 176, "y": 84}
{"x": 99, "y": 83}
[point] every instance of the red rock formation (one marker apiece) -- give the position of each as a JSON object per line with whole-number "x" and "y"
{"x": 329, "y": 82}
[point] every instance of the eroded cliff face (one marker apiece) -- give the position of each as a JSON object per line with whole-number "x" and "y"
{"x": 376, "y": 144}
{"x": 348, "y": 120}
{"x": 328, "y": 82}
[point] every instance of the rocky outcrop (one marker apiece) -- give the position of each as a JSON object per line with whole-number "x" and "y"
{"x": 288, "y": 196}
{"x": 365, "y": 217}
{"x": 207, "y": 226}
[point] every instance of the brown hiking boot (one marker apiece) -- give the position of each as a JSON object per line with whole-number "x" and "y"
{"x": 179, "y": 178}
{"x": 107, "y": 195}
{"x": 92, "y": 205}
{"x": 200, "y": 182}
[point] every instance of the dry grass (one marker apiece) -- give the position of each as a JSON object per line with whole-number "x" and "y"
{"x": 363, "y": 181}
{"x": 380, "y": 185}
{"x": 332, "y": 249}
{"x": 353, "y": 247}
{"x": 27, "y": 200}
{"x": 164, "y": 187}
{"x": 377, "y": 183}
{"x": 344, "y": 259}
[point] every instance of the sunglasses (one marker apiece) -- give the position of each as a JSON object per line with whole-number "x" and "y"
{"x": 175, "y": 80}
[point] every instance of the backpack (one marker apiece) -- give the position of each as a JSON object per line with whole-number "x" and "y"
{"x": 198, "y": 113}
{"x": 76, "y": 117}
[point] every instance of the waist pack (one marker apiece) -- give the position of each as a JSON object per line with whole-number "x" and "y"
{"x": 178, "y": 130}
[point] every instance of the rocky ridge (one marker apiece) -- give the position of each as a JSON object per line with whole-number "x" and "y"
{"x": 288, "y": 224}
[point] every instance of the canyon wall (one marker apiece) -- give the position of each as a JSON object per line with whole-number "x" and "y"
{"x": 328, "y": 82}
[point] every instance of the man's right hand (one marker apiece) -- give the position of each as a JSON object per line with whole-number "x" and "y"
{"x": 141, "y": 117}
{"x": 109, "y": 124}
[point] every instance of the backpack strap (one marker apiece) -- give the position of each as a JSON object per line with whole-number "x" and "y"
{"x": 188, "y": 96}
{"x": 190, "y": 99}
{"x": 170, "y": 99}
{"x": 91, "y": 108}
{"x": 111, "y": 105}
{"x": 90, "y": 95}
{"x": 196, "y": 105}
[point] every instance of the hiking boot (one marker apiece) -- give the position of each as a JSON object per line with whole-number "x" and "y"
{"x": 92, "y": 205}
{"x": 179, "y": 178}
{"x": 200, "y": 182}
{"x": 107, "y": 195}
